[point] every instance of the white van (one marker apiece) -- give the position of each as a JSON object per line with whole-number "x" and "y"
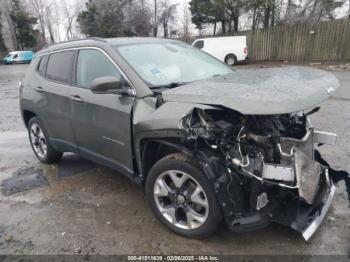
{"x": 229, "y": 49}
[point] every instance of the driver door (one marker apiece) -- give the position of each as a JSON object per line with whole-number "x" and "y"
{"x": 101, "y": 122}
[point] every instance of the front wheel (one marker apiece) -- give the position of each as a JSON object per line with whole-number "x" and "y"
{"x": 40, "y": 143}
{"x": 182, "y": 197}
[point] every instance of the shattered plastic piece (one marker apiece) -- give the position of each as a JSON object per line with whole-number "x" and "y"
{"x": 309, "y": 174}
{"x": 314, "y": 225}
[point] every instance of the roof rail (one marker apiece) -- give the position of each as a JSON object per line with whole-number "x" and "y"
{"x": 75, "y": 40}
{"x": 96, "y": 38}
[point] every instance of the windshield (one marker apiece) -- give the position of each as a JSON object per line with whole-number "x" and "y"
{"x": 171, "y": 63}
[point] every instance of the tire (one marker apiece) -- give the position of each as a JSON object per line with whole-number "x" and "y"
{"x": 40, "y": 144}
{"x": 231, "y": 60}
{"x": 179, "y": 210}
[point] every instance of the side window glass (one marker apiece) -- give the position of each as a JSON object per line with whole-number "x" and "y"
{"x": 15, "y": 56}
{"x": 93, "y": 64}
{"x": 59, "y": 66}
{"x": 199, "y": 44}
{"x": 42, "y": 65}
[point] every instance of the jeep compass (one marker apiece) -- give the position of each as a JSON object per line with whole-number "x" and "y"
{"x": 208, "y": 144}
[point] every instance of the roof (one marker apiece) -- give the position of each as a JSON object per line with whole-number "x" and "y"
{"x": 134, "y": 40}
{"x": 20, "y": 51}
{"x": 72, "y": 44}
{"x": 93, "y": 41}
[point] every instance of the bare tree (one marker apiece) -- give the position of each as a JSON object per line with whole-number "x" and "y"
{"x": 167, "y": 16}
{"x": 311, "y": 11}
{"x": 290, "y": 10}
{"x": 55, "y": 19}
{"x": 50, "y": 24}
{"x": 69, "y": 14}
{"x": 48, "y": 18}
{"x": 9, "y": 35}
{"x": 186, "y": 20}
{"x": 39, "y": 8}
{"x": 156, "y": 5}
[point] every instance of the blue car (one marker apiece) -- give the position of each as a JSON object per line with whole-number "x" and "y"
{"x": 18, "y": 57}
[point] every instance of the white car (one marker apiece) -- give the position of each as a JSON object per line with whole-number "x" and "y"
{"x": 230, "y": 49}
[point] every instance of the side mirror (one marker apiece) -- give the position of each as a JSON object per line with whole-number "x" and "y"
{"x": 110, "y": 85}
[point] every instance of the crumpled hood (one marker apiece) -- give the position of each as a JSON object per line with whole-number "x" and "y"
{"x": 266, "y": 91}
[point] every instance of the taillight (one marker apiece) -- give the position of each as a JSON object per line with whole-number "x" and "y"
{"x": 246, "y": 50}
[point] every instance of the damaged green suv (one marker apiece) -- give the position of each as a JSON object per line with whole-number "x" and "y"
{"x": 208, "y": 143}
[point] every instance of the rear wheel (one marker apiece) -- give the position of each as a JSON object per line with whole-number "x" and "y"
{"x": 182, "y": 197}
{"x": 231, "y": 60}
{"x": 40, "y": 144}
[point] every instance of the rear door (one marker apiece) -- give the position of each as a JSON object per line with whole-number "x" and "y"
{"x": 54, "y": 107}
{"x": 101, "y": 122}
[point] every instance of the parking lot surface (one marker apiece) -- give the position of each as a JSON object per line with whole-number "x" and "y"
{"x": 77, "y": 207}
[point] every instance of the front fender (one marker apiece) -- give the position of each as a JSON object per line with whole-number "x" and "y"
{"x": 151, "y": 122}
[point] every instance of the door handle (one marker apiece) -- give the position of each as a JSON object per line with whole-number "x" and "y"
{"x": 76, "y": 98}
{"x": 39, "y": 89}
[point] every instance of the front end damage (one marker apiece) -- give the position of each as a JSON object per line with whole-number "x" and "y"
{"x": 264, "y": 168}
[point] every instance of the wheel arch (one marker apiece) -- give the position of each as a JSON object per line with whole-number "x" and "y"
{"x": 153, "y": 150}
{"x": 27, "y": 115}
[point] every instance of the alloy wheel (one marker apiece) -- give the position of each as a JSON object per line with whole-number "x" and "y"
{"x": 38, "y": 140}
{"x": 181, "y": 200}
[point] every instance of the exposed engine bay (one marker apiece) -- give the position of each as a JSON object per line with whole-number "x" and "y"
{"x": 265, "y": 168}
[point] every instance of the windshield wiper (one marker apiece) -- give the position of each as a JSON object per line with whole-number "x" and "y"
{"x": 171, "y": 85}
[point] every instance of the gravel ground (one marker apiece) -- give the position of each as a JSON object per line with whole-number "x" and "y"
{"x": 10, "y": 77}
{"x": 83, "y": 208}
